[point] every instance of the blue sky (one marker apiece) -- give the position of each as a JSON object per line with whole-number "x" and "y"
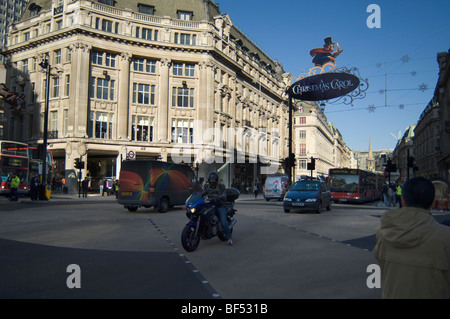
{"x": 402, "y": 53}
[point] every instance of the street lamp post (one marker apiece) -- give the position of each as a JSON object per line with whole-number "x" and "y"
{"x": 45, "y": 65}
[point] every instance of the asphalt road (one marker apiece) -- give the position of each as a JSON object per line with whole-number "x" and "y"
{"x": 139, "y": 255}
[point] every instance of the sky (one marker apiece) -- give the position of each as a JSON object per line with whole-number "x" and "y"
{"x": 399, "y": 59}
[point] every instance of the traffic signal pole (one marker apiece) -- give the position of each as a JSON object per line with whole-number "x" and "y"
{"x": 289, "y": 162}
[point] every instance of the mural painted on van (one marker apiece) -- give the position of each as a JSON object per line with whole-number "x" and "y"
{"x": 156, "y": 180}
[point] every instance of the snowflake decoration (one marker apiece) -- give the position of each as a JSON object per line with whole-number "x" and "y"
{"x": 413, "y": 73}
{"x": 381, "y": 91}
{"x": 401, "y": 106}
{"x": 405, "y": 58}
{"x": 423, "y": 87}
{"x": 371, "y": 109}
{"x": 378, "y": 65}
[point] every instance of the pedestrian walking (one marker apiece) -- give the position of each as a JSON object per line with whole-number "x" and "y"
{"x": 391, "y": 196}
{"x": 412, "y": 248}
{"x": 34, "y": 186}
{"x": 85, "y": 186}
{"x": 255, "y": 190}
{"x": 398, "y": 195}
{"x": 384, "y": 195}
{"x": 13, "y": 186}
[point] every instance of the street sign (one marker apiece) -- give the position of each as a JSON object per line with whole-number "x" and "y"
{"x": 324, "y": 86}
{"x": 131, "y": 155}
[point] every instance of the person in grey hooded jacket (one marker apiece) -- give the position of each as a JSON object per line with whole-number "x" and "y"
{"x": 413, "y": 249}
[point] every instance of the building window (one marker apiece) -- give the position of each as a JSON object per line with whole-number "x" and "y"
{"x": 184, "y": 38}
{"x": 302, "y": 120}
{"x": 144, "y": 65}
{"x": 147, "y": 34}
{"x": 185, "y": 15}
{"x": 97, "y": 58}
{"x": 180, "y": 69}
{"x": 55, "y": 88}
{"x": 302, "y": 164}
{"x": 104, "y": 59}
{"x": 182, "y": 131}
{"x": 57, "y": 56}
{"x": 102, "y": 89}
{"x": 67, "y": 86}
{"x": 101, "y": 125}
{"x": 142, "y": 129}
{"x": 106, "y": 25}
{"x": 302, "y": 135}
{"x": 302, "y": 149}
{"x": 53, "y": 121}
{"x": 107, "y": 2}
{"x": 182, "y": 97}
{"x": 65, "y": 122}
{"x": 25, "y": 66}
{"x": 144, "y": 94}
{"x": 150, "y": 10}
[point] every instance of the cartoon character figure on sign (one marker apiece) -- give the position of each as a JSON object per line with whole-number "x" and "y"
{"x": 325, "y": 55}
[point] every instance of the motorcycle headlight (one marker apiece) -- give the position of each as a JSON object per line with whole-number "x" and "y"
{"x": 191, "y": 210}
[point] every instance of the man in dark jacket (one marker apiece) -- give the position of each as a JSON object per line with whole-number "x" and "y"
{"x": 413, "y": 249}
{"x": 216, "y": 191}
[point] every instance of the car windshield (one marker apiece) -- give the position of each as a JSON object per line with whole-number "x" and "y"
{"x": 305, "y": 186}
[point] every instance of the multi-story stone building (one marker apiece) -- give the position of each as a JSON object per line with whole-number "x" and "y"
{"x": 315, "y": 137}
{"x": 10, "y": 12}
{"x": 161, "y": 79}
{"x": 442, "y": 94}
{"x": 405, "y": 149}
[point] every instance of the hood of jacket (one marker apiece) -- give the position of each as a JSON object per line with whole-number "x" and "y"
{"x": 406, "y": 227}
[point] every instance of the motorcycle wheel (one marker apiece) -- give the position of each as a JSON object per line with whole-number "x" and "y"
{"x": 188, "y": 241}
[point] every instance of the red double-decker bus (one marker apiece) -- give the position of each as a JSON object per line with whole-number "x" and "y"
{"x": 354, "y": 185}
{"x": 14, "y": 159}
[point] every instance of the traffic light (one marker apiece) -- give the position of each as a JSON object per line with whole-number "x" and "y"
{"x": 410, "y": 161}
{"x": 390, "y": 167}
{"x": 78, "y": 164}
{"x": 311, "y": 166}
{"x": 292, "y": 159}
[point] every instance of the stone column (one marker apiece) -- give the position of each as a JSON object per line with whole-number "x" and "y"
{"x": 162, "y": 129}
{"x": 79, "y": 90}
{"x": 123, "y": 98}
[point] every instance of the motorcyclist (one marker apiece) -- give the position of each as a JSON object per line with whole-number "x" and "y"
{"x": 216, "y": 192}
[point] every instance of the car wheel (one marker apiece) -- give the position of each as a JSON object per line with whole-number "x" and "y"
{"x": 164, "y": 205}
{"x": 287, "y": 210}
{"x": 319, "y": 208}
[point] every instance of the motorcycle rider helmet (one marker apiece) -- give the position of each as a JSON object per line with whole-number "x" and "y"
{"x": 213, "y": 179}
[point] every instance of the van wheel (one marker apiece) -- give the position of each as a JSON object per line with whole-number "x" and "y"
{"x": 163, "y": 205}
{"x": 132, "y": 208}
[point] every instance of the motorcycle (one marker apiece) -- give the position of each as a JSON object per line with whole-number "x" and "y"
{"x": 203, "y": 220}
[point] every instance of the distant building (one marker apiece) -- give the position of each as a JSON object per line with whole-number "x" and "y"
{"x": 432, "y": 133}
{"x": 315, "y": 137}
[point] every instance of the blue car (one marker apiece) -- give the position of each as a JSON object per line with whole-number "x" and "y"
{"x": 311, "y": 195}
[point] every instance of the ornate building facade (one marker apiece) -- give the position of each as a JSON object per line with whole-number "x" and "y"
{"x": 161, "y": 79}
